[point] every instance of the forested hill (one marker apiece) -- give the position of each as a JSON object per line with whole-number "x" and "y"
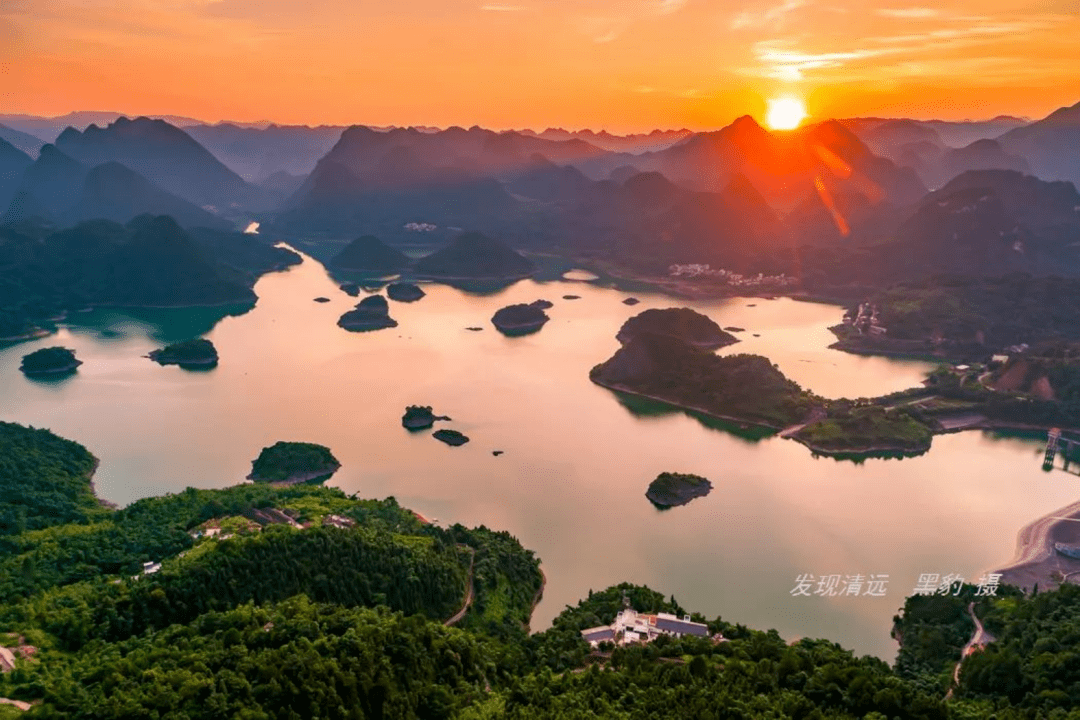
{"x": 150, "y": 261}
{"x": 259, "y": 601}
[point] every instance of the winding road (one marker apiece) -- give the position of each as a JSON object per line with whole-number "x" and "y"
{"x": 979, "y": 639}
{"x": 468, "y": 590}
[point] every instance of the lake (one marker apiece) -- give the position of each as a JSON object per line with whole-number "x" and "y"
{"x": 578, "y": 458}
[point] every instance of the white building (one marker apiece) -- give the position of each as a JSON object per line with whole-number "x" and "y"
{"x": 631, "y": 626}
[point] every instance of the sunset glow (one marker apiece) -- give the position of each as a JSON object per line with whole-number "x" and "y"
{"x": 624, "y": 66}
{"x": 785, "y": 113}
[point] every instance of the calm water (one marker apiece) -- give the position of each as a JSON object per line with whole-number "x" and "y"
{"x": 577, "y": 459}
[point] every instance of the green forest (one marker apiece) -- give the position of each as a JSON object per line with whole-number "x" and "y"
{"x": 302, "y": 602}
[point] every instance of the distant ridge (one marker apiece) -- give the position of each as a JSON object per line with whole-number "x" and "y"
{"x": 167, "y": 156}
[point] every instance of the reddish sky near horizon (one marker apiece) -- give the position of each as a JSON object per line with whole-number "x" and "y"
{"x": 624, "y": 65}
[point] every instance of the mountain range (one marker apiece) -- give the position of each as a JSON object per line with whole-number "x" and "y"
{"x": 165, "y": 155}
{"x": 867, "y": 197}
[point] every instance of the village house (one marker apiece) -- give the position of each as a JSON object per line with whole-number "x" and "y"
{"x": 630, "y": 626}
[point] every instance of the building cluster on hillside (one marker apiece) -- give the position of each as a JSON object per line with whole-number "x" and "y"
{"x": 730, "y": 277}
{"x": 338, "y": 521}
{"x": 630, "y": 626}
{"x": 865, "y": 320}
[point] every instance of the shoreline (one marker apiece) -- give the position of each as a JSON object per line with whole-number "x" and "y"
{"x": 842, "y": 454}
{"x": 690, "y": 408}
{"x": 296, "y": 478}
{"x": 536, "y": 599}
{"x": 1036, "y": 562}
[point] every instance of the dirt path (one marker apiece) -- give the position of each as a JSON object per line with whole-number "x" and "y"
{"x": 468, "y": 590}
{"x": 818, "y": 413}
{"x": 979, "y": 639}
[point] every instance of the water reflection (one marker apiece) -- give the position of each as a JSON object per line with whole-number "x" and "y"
{"x": 166, "y": 325}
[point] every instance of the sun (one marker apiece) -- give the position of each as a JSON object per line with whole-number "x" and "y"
{"x": 785, "y": 113}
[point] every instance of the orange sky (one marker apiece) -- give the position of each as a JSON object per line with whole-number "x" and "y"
{"x": 618, "y": 64}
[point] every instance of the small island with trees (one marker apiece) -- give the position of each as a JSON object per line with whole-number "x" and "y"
{"x": 420, "y": 417}
{"x": 371, "y": 313}
{"x": 520, "y": 319}
{"x": 52, "y": 361}
{"x": 197, "y": 354}
{"x": 674, "y": 489}
{"x": 289, "y": 463}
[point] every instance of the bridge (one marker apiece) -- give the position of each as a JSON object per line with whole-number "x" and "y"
{"x": 1057, "y": 443}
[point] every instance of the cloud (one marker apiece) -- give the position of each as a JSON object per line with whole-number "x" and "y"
{"x": 913, "y": 13}
{"x": 769, "y": 16}
{"x": 669, "y": 6}
{"x": 782, "y": 59}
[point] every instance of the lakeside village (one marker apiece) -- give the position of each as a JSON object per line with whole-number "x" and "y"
{"x": 731, "y": 278}
{"x": 252, "y": 520}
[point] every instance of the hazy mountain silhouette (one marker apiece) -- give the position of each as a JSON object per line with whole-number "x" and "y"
{"x": 29, "y": 144}
{"x": 51, "y": 186}
{"x": 369, "y": 254}
{"x": 946, "y": 133}
{"x": 112, "y": 191}
{"x": 165, "y": 155}
{"x": 13, "y": 163}
{"x": 988, "y": 222}
{"x": 49, "y": 128}
{"x": 474, "y": 256}
{"x": 1050, "y": 145}
{"x": 282, "y": 184}
{"x": 783, "y": 167}
{"x": 632, "y": 143}
{"x": 258, "y": 153}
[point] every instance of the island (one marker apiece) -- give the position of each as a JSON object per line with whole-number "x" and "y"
{"x": 673, "y": 489}
{"x": 450, "y": 437}
{"x": 475, "y": 256}
{"x": 367, "y": 254}
{"x": 50, "y": 361}
{"x": 542, "y": 304}
{"x": 746, "y": 389}
{"x": 351, "y": 289}
{"x": 197, "y": 354}
{"x": 420, "y": 417}
{"x": 288, "y": 463}
{"x": 404, "y": 292}
{"x": 371, "y": 313}
{"x": 322, "y": 299}
{"x": 681, "y": 323}
{"x": 630, "y": 301}
{"x": 520, "y": 319}
{"x": 571, "y": 297}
